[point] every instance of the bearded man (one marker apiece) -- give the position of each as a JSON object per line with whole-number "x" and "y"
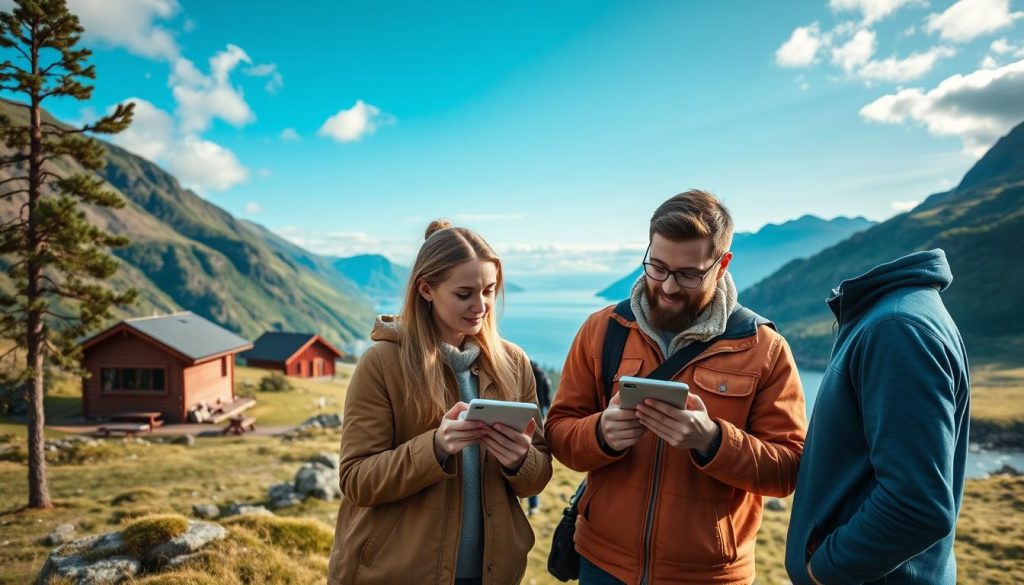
{"x": 676, "y": 495}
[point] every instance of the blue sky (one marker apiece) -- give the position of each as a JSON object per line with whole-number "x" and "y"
{"x": 554, "y": 128}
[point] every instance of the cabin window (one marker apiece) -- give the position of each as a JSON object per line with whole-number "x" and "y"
{"x": 132, "y": 379}
{"x": 224, "y": 367}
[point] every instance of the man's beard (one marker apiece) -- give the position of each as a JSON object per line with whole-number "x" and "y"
{"x": 677, "y": 320}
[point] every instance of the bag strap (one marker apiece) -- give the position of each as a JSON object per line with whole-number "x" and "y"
{"x": 614, "y": 345}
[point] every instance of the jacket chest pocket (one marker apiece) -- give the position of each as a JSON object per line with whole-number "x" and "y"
{"x": 627, "y": 367}
{"x": 727, "y": 395}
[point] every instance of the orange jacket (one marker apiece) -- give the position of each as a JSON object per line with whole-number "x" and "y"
{"x": 652, "y": 508}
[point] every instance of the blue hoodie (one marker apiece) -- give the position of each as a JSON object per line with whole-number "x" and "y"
{"x": 882, "y": 473}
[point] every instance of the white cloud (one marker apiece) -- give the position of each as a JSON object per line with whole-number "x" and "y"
{"x": 354, "y": 123}
{"x": 263, "y": 173}
{"x": 855, "y": 52}
{"x": 269, "y": 70}
{"x": 906, "y": 69}
{"x": 489, "y": 217}
{"x": 253, "y": 208}
{"x": 901, "y": 206}
{"x": 801, "y": 48}
{"x": 969, "y": 19}
{"x": 571, "y": 258}
{"x": 290, "y": 135}
{"x": 978, "y": 108}
{"x": 873, "y": 10}
{"x": 1001, "y": 46}
{"x": 151, "y": 132}
{"x": 203, "y": 165}
{"x": 198, "y": 164}
{"x": 203, "y": 98}
{"x": 130, "y": 24}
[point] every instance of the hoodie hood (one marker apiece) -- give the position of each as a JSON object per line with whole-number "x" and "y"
{"x": 386, "y": 328}
{"x": 855, "y": 295}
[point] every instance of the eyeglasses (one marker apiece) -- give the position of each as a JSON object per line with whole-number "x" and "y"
{"x": 683, "y": 278}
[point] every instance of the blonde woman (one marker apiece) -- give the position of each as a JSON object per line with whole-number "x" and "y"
{"x": 426, "y": 497}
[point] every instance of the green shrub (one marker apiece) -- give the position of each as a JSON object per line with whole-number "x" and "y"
{"x": 275, "y": 382}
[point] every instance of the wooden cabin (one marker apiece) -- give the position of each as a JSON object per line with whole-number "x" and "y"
{"x": 303, "y": 355}
{"x": 168, "y": 364}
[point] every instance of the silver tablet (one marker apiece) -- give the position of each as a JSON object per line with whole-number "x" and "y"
{"x": 511, "y": 414}
{"x": 633, "y": 391}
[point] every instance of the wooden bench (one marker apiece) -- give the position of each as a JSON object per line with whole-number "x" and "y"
{"x": 239, "y": 425}
{"x": 150, "y": 418}
{"x": 230, "y": 410}
{"x": 127, "y": 429}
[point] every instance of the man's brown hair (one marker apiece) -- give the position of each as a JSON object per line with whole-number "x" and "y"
{"x": 694, "y": 215}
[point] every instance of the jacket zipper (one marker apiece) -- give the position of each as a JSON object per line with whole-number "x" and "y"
{"x": 653, "y": 500}
{"x": 659, "y": 449}
{"x": 651, "y": 504}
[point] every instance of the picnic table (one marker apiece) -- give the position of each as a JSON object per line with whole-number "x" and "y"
{"x": 150, "y": 418}
{"x": 239, "y": 425}
{"x": 124, "y": 428}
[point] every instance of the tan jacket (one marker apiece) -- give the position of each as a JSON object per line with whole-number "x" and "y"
{"x": 654, "y": 509}
{"x": 400, "y": 511}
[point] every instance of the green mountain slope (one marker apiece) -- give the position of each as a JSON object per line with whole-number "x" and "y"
{"x": 979, "y": 225}
{"x": 187, "y": 253}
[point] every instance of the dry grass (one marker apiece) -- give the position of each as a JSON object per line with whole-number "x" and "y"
{"x": 133, "y": 481}
{"x": 997, "y": 395}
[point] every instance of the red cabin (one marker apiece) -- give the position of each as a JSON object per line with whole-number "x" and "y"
{"x": 303, "y": 355}
{"x": 167, "y": 364}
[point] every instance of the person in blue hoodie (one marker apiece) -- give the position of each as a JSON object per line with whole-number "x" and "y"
{"x": 882, "y": 473}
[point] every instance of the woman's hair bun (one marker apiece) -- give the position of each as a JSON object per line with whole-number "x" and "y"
{"x": 436, "y": 226}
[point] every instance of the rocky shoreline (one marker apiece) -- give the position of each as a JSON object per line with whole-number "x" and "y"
{"x": 991, "y": 435}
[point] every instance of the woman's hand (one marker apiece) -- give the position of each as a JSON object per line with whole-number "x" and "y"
{"x": 507, "y": 445}
{"x": 454, "y": 435}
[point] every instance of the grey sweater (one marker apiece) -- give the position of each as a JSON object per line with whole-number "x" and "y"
{"x": 471, "y": 540}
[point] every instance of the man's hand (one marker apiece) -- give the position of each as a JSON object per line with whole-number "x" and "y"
{"x": 689, "y": 428}
{"x": 620, "y": 428}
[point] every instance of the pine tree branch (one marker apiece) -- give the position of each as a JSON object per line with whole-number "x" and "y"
{"x": 65, "y": 318}
{"x": 13, "y": 348}
{"x": 18, "y": 48}
{"x": 14, "y": 159}
{"x": 12, "y": 179}
{"x": 7, "y": 194}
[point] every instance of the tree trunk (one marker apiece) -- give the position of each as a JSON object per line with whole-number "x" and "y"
{"x": 38, "y": 490}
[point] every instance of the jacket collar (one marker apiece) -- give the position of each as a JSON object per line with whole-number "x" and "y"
{"x": 738, "y": 336}
{"x": 855, "y": 295}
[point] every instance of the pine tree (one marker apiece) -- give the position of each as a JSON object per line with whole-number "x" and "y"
{"x": 56, "y": 260}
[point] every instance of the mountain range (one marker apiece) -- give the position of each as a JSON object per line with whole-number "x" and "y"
{"x": 979, "y": 225}
{"x": 758, "y": 254}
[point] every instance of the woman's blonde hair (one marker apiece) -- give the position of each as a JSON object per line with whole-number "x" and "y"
{"x": 444, "y": 248}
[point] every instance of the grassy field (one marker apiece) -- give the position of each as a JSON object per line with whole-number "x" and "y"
{"x": 125, "y": 480}
{"x": 997, "y": 395}
{"x": 296, "y": 405}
